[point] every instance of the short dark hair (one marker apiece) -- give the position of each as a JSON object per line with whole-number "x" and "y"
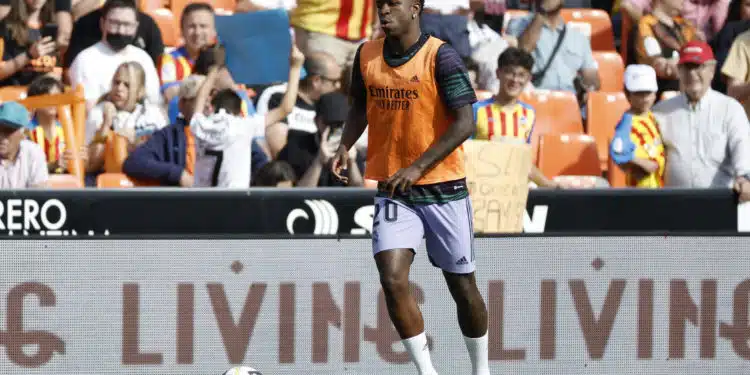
{"x": 42, "y": 85}
{"x": 514, "y": 56}
{"x": 194, "y": 7}
{"x": 205, "y": 60}
{"x": 316, "y": 64}
{"x": 274, "y": 172}
{"x": 228, "y": 100}
{"x": 117, "y": 4}
{"x": 421, "y": 6}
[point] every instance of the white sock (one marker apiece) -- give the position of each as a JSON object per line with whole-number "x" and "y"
{"x": 479, "y": 353}
{"x": 419, "y": 353}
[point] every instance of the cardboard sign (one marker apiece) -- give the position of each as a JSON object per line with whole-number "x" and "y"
{"x": 498, "y": 178}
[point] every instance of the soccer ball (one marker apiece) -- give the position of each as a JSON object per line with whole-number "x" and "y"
{"x": 242, "y": 371}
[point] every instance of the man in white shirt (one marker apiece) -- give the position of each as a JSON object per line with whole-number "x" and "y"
{"x": 22, "y": 162}
{"x": 706, "y": 134}
{"x": 95, "y": 66}
{"x": 223, "y": 137}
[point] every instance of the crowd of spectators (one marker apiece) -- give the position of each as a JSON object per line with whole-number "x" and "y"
{"x": 141, "y": 94}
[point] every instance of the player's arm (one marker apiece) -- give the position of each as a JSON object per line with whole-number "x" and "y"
{"x": 279, "y": 113}
{"x": 455, "y": 89}
{"x": 356, "y": 121}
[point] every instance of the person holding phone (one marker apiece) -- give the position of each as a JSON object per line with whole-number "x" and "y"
{"x": 28, "y": 42}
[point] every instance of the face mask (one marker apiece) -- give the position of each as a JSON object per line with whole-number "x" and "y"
{"x": 119, "y": 41}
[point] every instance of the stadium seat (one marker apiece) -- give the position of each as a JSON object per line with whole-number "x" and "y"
{"x": 113, "y": 181}
{"x": 149, "y": 5}
{"x": 168, "y": 25}
{"x": 12, "y": 93}
{"x": 557, "y": 112}
{"x": 611, "y": 70}
{"x": 669, "y": 95}
{"x": 615, "y": 175}
{"x": 64, "y": 181}
{"x": 603, "y": 112}
{"x": 115, "y": 153}
{"x": 568, "y": 155}
{"x": 602, "y": 37}
{"x": 511, "y": 14}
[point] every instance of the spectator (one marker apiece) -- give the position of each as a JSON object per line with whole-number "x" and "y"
{"x": 706, "y": 134}
{"x": 708, "y": 16}
{"x": 486, "y": 46}
{"x": 22, "y": 162}
{"x": 87, "y": 32}
{"x": 46, "y": 131}
{"x": 62, "y": 17}
{"x": 94, "y": 67}
{"x": 310, "y": 154}
{"x": 738, "y": 22}
{"x": 736, "y": 70}
{"x": 447, "y": 20}
{"x": 277, "y": 173}
{"x": 562, "y": 55}
{"x": 224, "y": 81}
{"x": 659, "y": 37}
{"x": 124, "y": 111}
{"x": 26, "y": 54}
{"x": 504, "y": 117}
{"x": 323, "y": 76}
{"x": 324, "y": 25}
{"x": 168, "y": 157}
{"x": 199, "y": 31}
{"x": 637, "y": 147}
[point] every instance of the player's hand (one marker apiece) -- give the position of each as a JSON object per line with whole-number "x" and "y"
{"x": 341, "y": 163}
{"x": 742, "y": 187}
{"x": 296, "y": 57}
{"x": 403, "y": 180}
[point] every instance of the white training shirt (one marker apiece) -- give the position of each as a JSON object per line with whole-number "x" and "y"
{"x": 223, "y": 145}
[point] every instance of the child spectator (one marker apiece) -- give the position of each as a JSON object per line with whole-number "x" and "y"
{"x": 46, "y": 130}
{"x": 637, "y": 146}
{"x": 277, "y": 173}
{"x": 223, "y": 137}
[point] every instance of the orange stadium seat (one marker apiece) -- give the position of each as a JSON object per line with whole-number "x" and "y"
{"x": 222, "y": 7}
{"x": 601, "y": 35}
{"x": 511, "y": 14}
{"x": 113, "y": 181}
{"x": 557, "y": 112}
{"x": 12, "y": 93}
{"x": 611, "y": 70}
{"x": 603, "y": 112}
{"x": 64, "y": 181}
{"x": 149, "y": 5}
{"x": 615, "y": 175}
{"x": 568, "y": 155}
{"x": 169, "y": 26}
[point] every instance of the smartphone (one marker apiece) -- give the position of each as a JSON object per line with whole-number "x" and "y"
{"x": 335, "y": 135}
{"x": 49, "y": 31}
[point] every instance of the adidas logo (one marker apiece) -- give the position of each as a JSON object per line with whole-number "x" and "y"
{"x": 462, "y": 261}
{"x": 414, "y": 79}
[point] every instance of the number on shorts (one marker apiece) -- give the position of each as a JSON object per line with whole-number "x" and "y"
{"x": 390, "y": 213}
{"x": 217, "y": 165}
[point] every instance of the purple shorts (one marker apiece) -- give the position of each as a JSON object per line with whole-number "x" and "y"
{"x": 447, "y": 228}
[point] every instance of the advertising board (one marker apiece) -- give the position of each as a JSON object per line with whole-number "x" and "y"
{"x": 566, "y": 305}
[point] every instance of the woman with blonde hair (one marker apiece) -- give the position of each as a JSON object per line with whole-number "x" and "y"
{"x": 27, "y": 53}
{"x": 121, "y": 115}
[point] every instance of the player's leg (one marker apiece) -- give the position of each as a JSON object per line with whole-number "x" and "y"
{"x": 397, "y": 230}
{"x": 450, "y": 245}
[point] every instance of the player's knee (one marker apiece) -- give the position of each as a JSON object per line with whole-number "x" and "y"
{"x": 393, "y": 283}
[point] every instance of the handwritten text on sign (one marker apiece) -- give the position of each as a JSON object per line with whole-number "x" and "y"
{"x": 497, "y": 174}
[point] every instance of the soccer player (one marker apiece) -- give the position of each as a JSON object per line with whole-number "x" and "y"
{"x": 415, "y": 93}
{"x": 223, "y": 137}
{"x": 637, "y": 146}
{"x": 504, "y": 117}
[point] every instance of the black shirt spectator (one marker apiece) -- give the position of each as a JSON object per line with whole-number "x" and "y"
{"x": 87, "y": 32}
{"x": 20, "y": 31}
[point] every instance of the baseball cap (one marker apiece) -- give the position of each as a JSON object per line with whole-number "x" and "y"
{"x": 14, "y": 115}
{"x": 696, "y": 52}
{"x": 332, "y": 108}
{"x": 189, "y": 86}
{"x": 640, "y": 77}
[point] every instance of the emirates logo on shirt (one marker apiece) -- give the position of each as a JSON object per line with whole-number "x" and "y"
{"x": 392, "y": 99}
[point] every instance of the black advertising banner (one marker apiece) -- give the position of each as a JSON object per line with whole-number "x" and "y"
{"x": 342, "y": 211}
